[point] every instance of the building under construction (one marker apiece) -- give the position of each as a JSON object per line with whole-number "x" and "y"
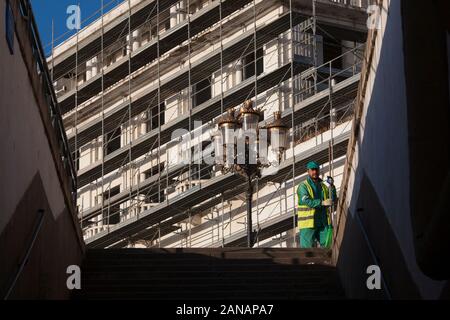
{"x": 141, "y": 89}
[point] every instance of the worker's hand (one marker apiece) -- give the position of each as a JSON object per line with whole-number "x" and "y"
{"x": 327, "y": 203}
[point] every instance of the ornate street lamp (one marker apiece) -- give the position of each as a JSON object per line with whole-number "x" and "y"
{"x": 238, "y": 149}
{"x": 278, "y": 136}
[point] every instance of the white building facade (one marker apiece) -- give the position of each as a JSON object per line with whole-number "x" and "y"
{"x": 141, "y": 90}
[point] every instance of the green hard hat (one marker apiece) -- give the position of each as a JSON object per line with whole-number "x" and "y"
{"x": 312, "y": 165}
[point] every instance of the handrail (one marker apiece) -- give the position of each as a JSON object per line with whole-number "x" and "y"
{"x": 359, "y": 106}
{"x": 36, "y": 231}
{"x": 373, "y": 255}
{"x": 44, "y": 74}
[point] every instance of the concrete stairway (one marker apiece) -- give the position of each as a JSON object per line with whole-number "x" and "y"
{"x": 230, "y": 273}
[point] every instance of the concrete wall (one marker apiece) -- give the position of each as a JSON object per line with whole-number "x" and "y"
{"x": 375, "y": 217}
{"x": 29, "y": 182}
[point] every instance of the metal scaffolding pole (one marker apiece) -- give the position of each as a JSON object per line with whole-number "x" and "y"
{"x": 159, "y": 99}
{"x": 221, "y": 112}
{"x": 292, "y": 102}
{"x": 223, "y": 222}
{"x": 77, "y": 154}
{"x": 130, "y": 121}
{"x": 257, "y": 211}
{"x": 190, "y": 94}
{"x": 314, "y": 21}
{"x": 190, "y": 229}
{"x": 103, "y": 138}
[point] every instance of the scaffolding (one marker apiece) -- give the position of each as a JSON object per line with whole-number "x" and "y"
{"x": 161, "y": 66}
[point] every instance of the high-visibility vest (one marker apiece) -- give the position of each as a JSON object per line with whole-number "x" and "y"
{"x": 306, "y": 214}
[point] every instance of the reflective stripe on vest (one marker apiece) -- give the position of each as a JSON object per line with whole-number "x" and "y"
{"x": 306, "y": 214}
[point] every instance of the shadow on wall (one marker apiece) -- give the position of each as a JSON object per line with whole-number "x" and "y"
{"x": 388, "y": 139}
{"x": 356, "y": 257}
{"x": 57, "y": 247}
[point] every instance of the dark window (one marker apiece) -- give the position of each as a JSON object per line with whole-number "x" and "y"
{"x": 167, "y": 24}
{"x": 155, "y": 117}
{"x": 203, "y": 170}
{"x": 112, "y": 141}
{"x": 201, "y": 92}
{"x": 249, "y": 64}
{"x": 154, "y": 196}
{"x": 332, "y": 50}
{"x": 113, "y": 214}
{"x": 154, "y": 171}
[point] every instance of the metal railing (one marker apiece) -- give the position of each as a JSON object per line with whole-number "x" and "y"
{"x": 24, "y": 261}
{"x": 49, "y": 94}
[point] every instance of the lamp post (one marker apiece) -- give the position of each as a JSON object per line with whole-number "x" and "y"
{"x": 241, "y": 147}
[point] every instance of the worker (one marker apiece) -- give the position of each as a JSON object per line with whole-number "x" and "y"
{"x": 314, "y": 212}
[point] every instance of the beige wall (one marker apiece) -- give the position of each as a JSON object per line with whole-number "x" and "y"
{"x": 24, "y": 145}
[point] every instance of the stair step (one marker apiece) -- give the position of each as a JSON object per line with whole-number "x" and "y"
{"x": 193, "y": 259}
{"x": 271, "y": 294}
{"x": 207, "y": 275}
{"x": 179, "y": 269}
{"x": 212, "y": 262}
{"x": 218, "y": 273}
{"x": 222, "y": 255}
{"x": 210, "y": 281}
{"x": 223, "y": 286}
{"x": 179, "y": 254}
{"x": 207, "y": 251}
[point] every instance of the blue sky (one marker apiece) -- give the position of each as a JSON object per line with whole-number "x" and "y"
{"x": 47, "y": 10}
